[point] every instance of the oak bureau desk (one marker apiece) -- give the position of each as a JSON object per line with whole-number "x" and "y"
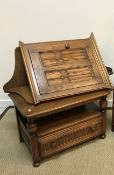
{"x": 54, "y": 89}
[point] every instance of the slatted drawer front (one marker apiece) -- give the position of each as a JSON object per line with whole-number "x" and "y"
{"x": 67, "y": 137}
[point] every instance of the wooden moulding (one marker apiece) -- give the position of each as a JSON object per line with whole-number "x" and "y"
{"x": 52, "y": 70}
{"x": 44, "y": 109}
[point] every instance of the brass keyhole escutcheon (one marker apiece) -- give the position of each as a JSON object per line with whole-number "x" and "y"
{"x": 67, "y": 46}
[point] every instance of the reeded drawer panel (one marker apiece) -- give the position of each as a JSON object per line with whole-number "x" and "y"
{"x": 72, "y": 135}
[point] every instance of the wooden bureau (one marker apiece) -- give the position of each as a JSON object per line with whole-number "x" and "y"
{"x": 54, "y": 89}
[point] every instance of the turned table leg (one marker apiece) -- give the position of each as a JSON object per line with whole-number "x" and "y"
{"x": 103, "y": 106}
{"x": 33, "y": 130}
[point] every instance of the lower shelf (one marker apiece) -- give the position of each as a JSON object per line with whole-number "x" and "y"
{"x": 63, "y": 130}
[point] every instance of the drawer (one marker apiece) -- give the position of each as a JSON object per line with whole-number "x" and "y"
{"x": 72, "y": 135}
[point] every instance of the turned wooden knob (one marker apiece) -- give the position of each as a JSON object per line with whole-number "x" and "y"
{"x": 67, "y": 46}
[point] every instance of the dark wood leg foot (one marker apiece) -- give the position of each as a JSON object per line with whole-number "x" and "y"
{"x": 36, "y": 164}
{"x": 21, "y": 139}
{"x": 103, "y": 136}
{"x": 112, "y": 129}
